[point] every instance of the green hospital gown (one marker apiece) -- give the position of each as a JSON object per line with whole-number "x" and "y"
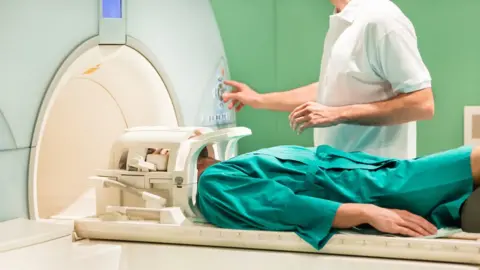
{"x": 298, "y": 189}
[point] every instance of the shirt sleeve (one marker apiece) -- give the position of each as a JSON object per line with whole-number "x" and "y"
{"x": 399, "y": 61}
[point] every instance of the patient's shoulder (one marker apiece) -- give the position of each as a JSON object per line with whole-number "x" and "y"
{"x": 222, "y": 169}
{"x": 217, "y": 176}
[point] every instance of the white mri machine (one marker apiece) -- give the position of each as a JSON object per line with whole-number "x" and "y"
{"x": 85, "y": 80}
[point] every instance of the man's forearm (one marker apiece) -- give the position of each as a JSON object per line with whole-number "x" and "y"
{"x": 288, "y": 100}
{"x": 399, "y": 110}
{"x": 350, "y": 215}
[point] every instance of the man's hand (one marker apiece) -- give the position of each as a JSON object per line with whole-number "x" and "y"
{"x": 312, "y": 114}
{"x": 398, "y": 222}
{"x": 240, "y": 96}
{"x": 400, "y": 109}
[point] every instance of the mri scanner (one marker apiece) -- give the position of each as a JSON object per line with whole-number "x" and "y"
{"x": 79, "y": 76}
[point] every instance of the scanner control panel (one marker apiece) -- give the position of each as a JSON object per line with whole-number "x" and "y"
{"x": 215, "y": 112}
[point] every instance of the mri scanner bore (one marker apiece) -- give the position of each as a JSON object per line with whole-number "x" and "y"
{"x": 93, "y": 74}
{"x": 106, "y": 90}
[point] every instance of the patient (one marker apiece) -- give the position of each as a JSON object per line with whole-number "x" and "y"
{"x": 316, "y": 191}
{"x": 313, "y": 191}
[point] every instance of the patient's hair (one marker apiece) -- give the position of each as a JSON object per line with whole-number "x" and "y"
{"x": 203, "y": 153}
{"x": 204, "y": 161}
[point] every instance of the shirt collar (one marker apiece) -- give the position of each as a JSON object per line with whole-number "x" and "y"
{"x": 352, "y": 10}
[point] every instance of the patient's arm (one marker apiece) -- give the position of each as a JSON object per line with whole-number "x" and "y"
{"x": 385, "y": 220}
{"x": 350, "y": 215}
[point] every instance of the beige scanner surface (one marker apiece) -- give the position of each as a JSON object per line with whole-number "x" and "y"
{"x": 105, "y": 91}
{"x": 70, "y": 125}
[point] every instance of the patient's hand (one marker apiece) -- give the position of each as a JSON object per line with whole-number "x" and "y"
{"x": 398, "y": 222}
{"x": 161, "y": 151}
{"x": 166, "y": 152}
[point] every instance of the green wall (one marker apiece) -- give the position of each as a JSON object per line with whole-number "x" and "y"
{"x": 277, "y": 45}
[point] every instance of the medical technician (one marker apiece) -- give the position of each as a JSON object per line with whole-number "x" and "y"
{"x": 373, "y": 84}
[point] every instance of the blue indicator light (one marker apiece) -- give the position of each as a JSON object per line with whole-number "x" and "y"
{"x": 112, "y": 9}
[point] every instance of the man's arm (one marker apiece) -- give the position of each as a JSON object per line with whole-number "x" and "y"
{"x": 288, "y": 100}
{"x": 402, "y": 109}
{"x": 395, "y": 57}
{"x": 242, "y": 95}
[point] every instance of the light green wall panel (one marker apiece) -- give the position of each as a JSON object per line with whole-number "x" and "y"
{"x": 449, "y": 40}
{"x": 277, "y": 45}
{"x": 300, "y": 28}
{"x": 247, "y": 29}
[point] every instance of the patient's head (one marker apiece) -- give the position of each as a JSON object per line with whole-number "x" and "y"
{"x": 204, "y": 161}
{"x": 205, "y": 158}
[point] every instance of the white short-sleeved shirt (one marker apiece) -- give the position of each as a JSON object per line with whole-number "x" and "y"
{"x": 370, "y": 54}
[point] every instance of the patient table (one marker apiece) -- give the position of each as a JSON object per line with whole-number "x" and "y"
{"x": 145, "y": 198}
